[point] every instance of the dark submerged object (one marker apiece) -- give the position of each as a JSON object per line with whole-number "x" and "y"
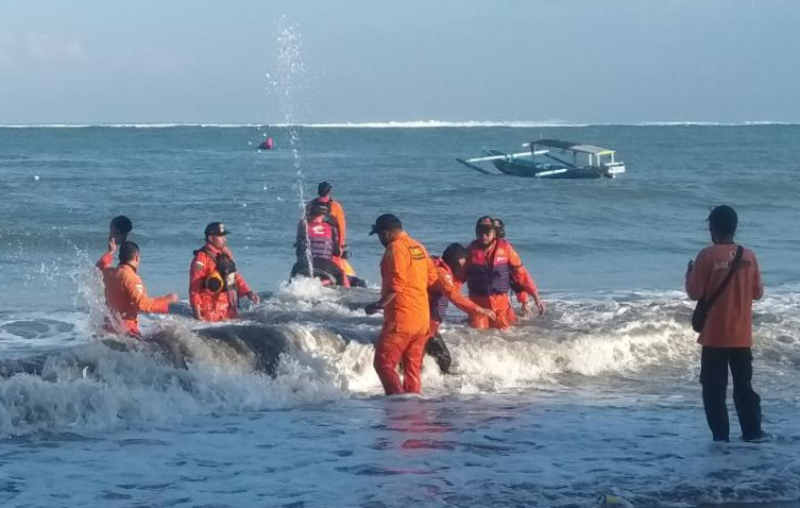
{"x": 262, "y": 345}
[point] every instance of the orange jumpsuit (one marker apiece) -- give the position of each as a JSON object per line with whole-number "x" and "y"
{"x": 406, "y": 271}
{"x": 210, "y": 305}
{"x": 490, "y": 274}
{"x": 446, "y": 288}
{"x": 520, "y": 280}
{"x": 126, "y": 297}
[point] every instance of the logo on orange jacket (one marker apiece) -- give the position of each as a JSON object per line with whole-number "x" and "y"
{"x": 416, "y": 252}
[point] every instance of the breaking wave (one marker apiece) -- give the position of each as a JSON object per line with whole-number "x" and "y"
{"x": 310, "y": 344}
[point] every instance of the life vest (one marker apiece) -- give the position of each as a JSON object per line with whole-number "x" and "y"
{"x": 438, "y": 301}
{"x": 328, "y": 203}
{"x": 320, "y": 239}
{"x": 489, "y": 276}
{"x": 223, "y": 278}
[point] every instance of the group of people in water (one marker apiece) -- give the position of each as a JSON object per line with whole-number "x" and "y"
{"x": 415, "y": 292}
{"x": 416, "y": 289}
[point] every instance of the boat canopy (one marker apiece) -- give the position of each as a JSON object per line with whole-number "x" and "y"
{"x": 573, "y": 147}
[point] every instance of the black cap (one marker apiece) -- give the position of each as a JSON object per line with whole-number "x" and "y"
{"x": 386, "y": 222}
{"x": 216, "y": 229}
{"x": 723, "y": 220}
{"x": 324, "y": 188}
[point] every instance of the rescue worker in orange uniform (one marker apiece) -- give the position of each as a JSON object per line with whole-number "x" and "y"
{"x": 335, "y": 211}
{"x": 406, "y": 274}
{"x": 447, "y": 288}
{"x": 492, "y": 265}
{"x": 215, "y": 285}
{"x": 336, "y": 216}
{"x": 126, "y": 295}
{"x": 318, "y": 239}
{"x": 524, "y": 275}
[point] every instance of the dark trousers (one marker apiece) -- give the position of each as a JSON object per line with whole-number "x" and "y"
{"x": 714, "y": 365}
{"x": 438, "y": 349}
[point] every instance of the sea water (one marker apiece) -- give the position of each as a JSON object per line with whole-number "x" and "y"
{"x": 599, "y": 397}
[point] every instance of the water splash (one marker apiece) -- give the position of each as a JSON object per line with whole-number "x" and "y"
{"x": 290, "y": 71}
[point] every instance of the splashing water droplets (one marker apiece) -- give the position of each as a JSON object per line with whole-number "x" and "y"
{"x": 289, "y": 72}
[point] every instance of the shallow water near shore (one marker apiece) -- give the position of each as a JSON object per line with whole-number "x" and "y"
{"x": 598, "y": 397}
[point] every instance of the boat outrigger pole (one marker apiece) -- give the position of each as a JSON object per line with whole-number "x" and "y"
{"x": 508, "y": 157}
{"x": 476, "y": 168}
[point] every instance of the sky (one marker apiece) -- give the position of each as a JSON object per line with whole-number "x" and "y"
{"x": 578, "y": 61}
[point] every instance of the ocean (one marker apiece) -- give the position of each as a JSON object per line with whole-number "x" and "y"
{"x": 596, "y": 401}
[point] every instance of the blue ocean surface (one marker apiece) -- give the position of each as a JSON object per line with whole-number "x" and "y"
{"x": 600, "y": 396}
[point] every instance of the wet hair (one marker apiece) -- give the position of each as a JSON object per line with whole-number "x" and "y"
{"x": 453, "y": 253}
{"x": 723, "y": 220}
{"x": 323, "y": 189}
{"x": 128, "y": 251}
{"x": 500, "y": 227}
{"x": 122, "y": 224}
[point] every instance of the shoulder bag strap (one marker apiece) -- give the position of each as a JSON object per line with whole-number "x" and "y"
{"x": 728, "y": 278}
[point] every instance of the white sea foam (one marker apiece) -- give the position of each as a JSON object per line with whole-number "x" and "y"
{"x": 329, "y": 351}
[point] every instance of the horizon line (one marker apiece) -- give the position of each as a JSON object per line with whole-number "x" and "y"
{"x": 400, "y": 124}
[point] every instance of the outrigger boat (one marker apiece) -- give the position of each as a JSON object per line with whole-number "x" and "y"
{"x": 540, "y": 161}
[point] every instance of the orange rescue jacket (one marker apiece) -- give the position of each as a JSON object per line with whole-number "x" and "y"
{"x": 447, "y": 287}
{"x": 126, "y": 297}
{"x": 213, "y": 306}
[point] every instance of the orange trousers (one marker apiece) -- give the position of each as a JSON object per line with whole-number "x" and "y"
{"x": 500, "y": 304}
{"x": 392, "y": 347}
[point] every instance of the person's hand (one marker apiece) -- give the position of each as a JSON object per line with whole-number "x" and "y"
{"x": 112, "y": 244}
{"x": 489, "y": 313}
{"x": 372, "y": 308}
{"x": 172, "y": 297}
{"x": 253, "y": 296}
